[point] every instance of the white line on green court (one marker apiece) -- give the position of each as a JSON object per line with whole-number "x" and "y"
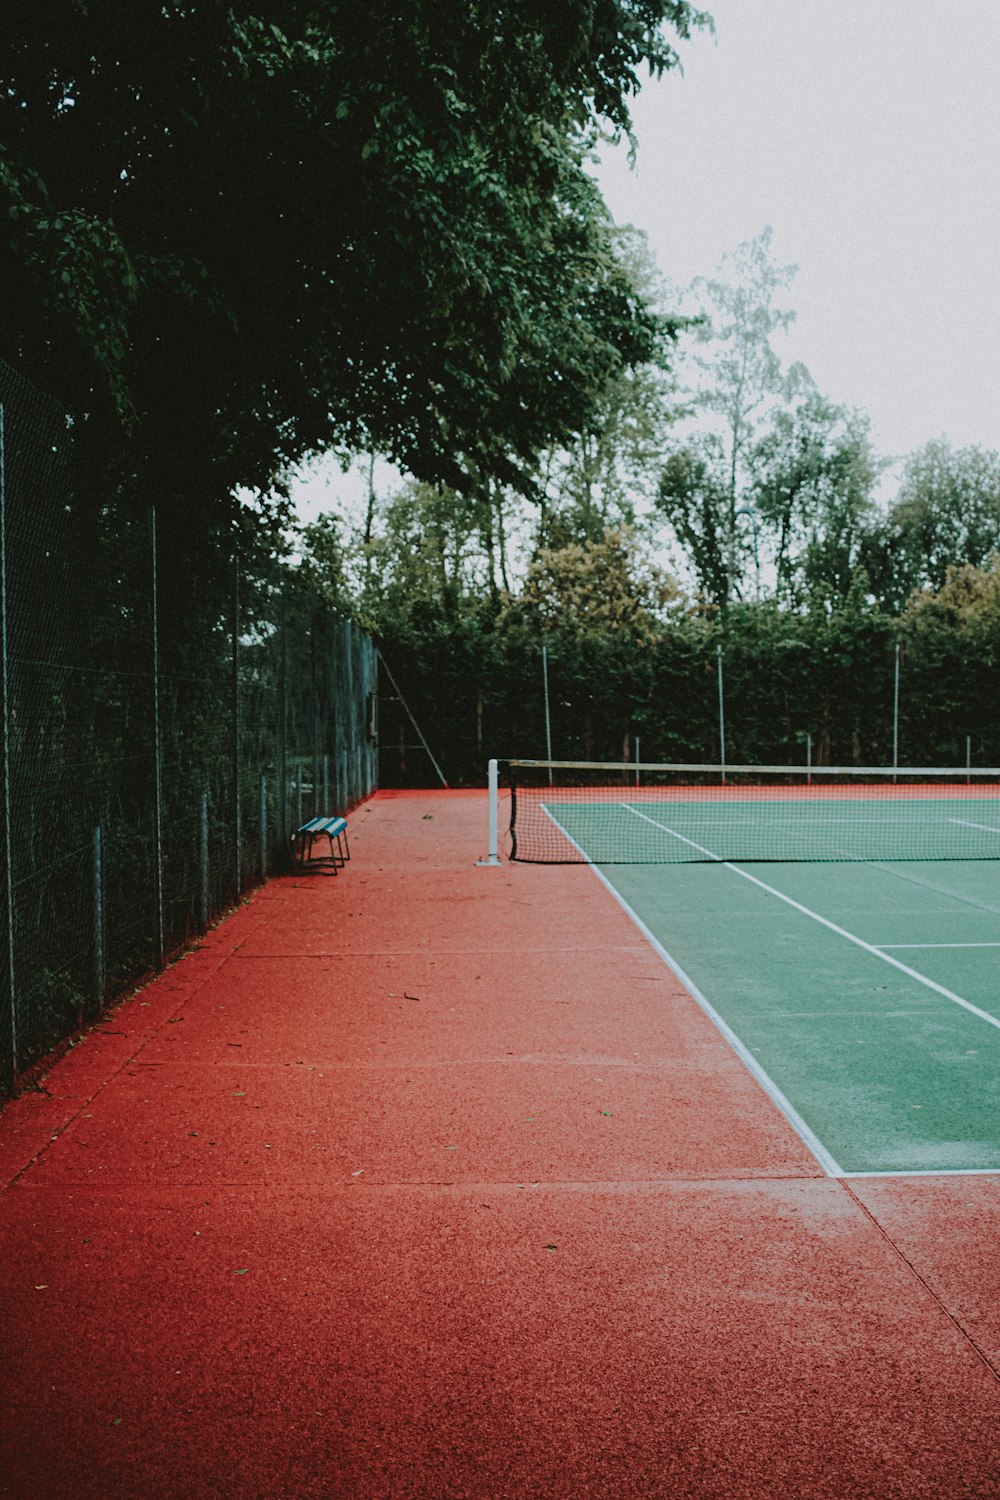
{"x": 935, "y": 945}
{"x": 851, "y": 937}
{"x": 986, "y": 827}
{"x": 930, "y": 1172}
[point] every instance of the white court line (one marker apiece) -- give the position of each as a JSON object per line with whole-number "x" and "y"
{"x": 930, "y": 1172}
{"x": 767, "y": 1083}
{"x": 881, "y": 946}
{"x": 887, "y": 958}
{"x": 985, "y": 827}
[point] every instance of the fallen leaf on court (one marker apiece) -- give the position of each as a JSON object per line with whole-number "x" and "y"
{"x": 606, "y": 1112}
{"x": 43, "y": 1288}
{"x": 428, "y": 817}
{"x": 550, "y": 1248}
{"x": 242, "y": 1272}
{"x": 358, "y": 1172}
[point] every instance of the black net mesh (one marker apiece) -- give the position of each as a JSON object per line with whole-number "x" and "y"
{"x": 570, "y": 813}
{"x": 170, "y": 710}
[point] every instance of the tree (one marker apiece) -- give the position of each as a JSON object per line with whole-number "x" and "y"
{"x": 741, "y": 379}
{"x": 249, "y": 231}
{"x": 966, "y": 604}
{"x": 740, "y": 386}
{"x": 609, "y": 472}
{"x": 951, "y": 637}
{"x": 598, "y": 589}
{"x": 694, "y": 498}
{"x": 424, "y": 560}
{"x": 946, "y": 515}
{"x": 813, "y": 477}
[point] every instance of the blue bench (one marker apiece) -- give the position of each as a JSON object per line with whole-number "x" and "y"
{"x": 334, "y": 829}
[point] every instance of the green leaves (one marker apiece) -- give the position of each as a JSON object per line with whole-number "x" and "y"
{"x": 359, "y": 226}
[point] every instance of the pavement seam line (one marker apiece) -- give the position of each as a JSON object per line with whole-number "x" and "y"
{"x": 117, "y": 1072}
{"x": 939, "y": 890}
{"x": 898, "y": 1251}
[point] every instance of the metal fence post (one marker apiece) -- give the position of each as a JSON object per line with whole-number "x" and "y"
{"x": 99, "y": 974}
{"x": 157, "y": 750}
{"x": 9, "y": 1021}
{"x": 895, "y": 714}
{"x": 722, "y": 714}
{"x": 203, "y": 902}
{"x": 262, "y": 825}
{"x": 237, "y": 819}
{"x": 548, "y": 716}
{"x": 282, "y": 829}
{"x": 348, "y": 716}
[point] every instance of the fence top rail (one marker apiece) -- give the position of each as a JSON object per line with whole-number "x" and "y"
{"x": 688, "y": 767}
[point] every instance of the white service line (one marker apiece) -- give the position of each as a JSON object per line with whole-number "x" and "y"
{"x": 887, "y": 958}
{"x": 986, "y": 827}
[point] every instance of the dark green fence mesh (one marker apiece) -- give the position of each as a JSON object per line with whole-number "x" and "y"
{"x": 479, "y": 696}
{"x": 169, "y": 711}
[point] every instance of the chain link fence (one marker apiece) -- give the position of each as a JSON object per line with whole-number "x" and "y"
{"x": 693, "y": 696}
{"x": 170, "y": 711}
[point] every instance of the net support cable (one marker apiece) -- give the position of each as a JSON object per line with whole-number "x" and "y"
{"x": 409, "y": 714}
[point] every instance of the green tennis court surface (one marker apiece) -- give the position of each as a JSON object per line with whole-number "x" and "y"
{"x": 865, "y": 995}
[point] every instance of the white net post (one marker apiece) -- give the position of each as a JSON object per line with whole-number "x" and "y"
{"x": 493, "y": 795}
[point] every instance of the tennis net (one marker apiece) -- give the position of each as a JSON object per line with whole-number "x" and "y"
{"x": 566, "y": 812}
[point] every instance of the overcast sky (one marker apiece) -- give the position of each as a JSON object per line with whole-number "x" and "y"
{"x": 867, "y": 134}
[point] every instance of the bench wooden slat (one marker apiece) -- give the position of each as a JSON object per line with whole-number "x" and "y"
{"x": 323, "y": 825}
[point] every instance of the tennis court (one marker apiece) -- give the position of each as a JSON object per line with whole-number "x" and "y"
{"x": 861, "y": 990}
